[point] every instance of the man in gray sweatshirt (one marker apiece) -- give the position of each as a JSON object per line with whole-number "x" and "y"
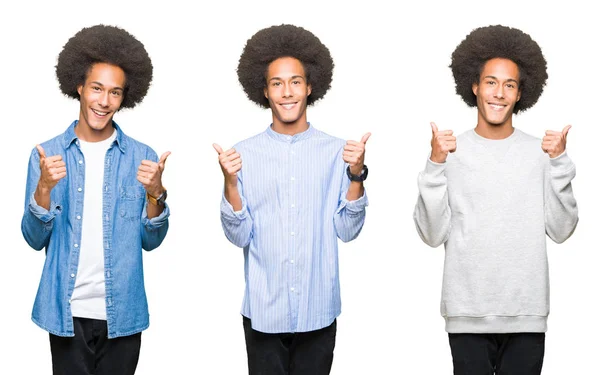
{"x": 491, "y": 195}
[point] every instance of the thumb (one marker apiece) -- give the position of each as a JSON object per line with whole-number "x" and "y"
{"x": 163, "y": 157}
{"x": 218, "y": 148}
{"x": 566, "y": 130}
{"x": 434, "y": 128}
{"x": 365, "y": 138}
{"x": 41, "y": 151}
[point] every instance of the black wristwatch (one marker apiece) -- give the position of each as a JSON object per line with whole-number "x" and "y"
{"x": 358, "y": 178}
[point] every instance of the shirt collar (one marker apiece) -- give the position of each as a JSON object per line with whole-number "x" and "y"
{"x": 290, "y": 138}
{"x": 120, "y": 140}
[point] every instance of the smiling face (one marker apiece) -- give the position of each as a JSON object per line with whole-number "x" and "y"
{"x": 100, "y": 97}
{"x": 287, "y": 92}
{"x": 497, "y": 93}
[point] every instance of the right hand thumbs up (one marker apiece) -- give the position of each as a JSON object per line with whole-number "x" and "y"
{"x": 52, "y": 169}
{"x": 442, "y": 142}
{"x": 230, "y": 162}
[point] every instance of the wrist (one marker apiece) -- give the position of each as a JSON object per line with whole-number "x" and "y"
{"x": 231, "y": 182}
{"x": 42, "y": 189}
{"x": 356, "y": 169}
{"x": 159, "y": 198}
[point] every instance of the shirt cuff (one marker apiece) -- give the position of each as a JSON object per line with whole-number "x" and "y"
{"x": 561, "y": 164}
{"x": 228, "y": 212}
{"x": 354, "y": 206}
{"x": 433, "y": 168}
{"x": 40, "y": 212}
{"x": 158, "y": 221}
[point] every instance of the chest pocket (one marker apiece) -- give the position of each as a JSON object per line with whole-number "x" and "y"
{"x": 131, "y": 202}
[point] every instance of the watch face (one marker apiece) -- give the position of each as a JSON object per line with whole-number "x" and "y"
{"x": 163, "y": 197}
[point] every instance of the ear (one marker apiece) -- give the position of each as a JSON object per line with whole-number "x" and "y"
{"x": 308, "y": 89}
{"x": 519, "y": 94}
{"x": 79, "y": 89}
{"x": 265, "y": 91}
{"x": 474, "y": 87}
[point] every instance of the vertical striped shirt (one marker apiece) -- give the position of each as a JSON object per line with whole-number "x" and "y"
{"x": 294, "y": 208}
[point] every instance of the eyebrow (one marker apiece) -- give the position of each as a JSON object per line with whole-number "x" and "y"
{"x": 114, "y": 88}
{"x": 292, "y": 77}
{"x": 508, "y": 80}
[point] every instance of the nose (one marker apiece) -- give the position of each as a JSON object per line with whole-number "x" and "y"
{"x": 499, "y": 91}
{"x": 287, "y": 91}
{"x": 103, "y": 98}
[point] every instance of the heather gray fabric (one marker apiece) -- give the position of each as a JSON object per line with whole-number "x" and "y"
{"x": 491, "y": 204}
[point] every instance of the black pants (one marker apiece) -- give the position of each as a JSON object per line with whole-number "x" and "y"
{"x": 304, "y": 353}
{"x": 501, "y": 354}
{"x": 91, "y": 352}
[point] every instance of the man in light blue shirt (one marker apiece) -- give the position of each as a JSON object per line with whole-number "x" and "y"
{"x": 94, "y": 199}
{"x": 299, "y": 190}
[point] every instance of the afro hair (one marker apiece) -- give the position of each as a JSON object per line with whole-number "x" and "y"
{"x": 105, "y": 44}
{"x": 269, "y": 44}
{"x": 485, "y": 43}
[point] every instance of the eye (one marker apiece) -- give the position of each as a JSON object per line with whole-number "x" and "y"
{"x": 116, "y": 93}
{"x": 296, "y": 82}
{"x": 491, "y": 83}
{"x": 276, "y": 83}
{"x": 96, "y": 88}
{"x": 510, "y": 85}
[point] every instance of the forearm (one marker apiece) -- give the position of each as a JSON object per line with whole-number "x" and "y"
{"x": 42, "y": 196}
{"x": 561, "y": 212}
{"x": 432, "y": 212}
{"x": 154, "y": 229}
{"x": 355, "y": 190}
{"x": 232, "y": 195}
{"x": 37, "y": 224}
{"x": 350, "y": 216}
{"x": 237, "y": 224}
{"x": 154, "y": 210}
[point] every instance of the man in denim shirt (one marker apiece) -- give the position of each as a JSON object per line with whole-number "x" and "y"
{"x": 94, "y": 199}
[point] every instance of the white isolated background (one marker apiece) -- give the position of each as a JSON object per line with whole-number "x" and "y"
{"x": 391, "y": 78}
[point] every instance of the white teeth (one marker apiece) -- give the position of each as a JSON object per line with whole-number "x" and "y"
{"x": 288, "y": 106}
{"x": 496, "y": 106}
{"x": 99, "y": 113}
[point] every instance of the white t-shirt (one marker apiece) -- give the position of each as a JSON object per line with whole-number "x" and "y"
{"x": 88, "y": 299}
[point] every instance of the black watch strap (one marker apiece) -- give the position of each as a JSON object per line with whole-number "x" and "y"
{"x": 358, "y": 178}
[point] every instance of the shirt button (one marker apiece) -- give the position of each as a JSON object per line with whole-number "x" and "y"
{"x": 72, "y": 275}
{"x": 79, "y": 189}
{"x": 293, "y": 178}
{"x": 80, "y": 161}
{"x": 292, "y": 261}
{"x": 78, "y": 217}
{"x": 292, "y": 233}
{"x": 69, "y": 300}
{"x": 293, "y": 205}
{"x": 292, "y": 289}
{"x": 76, "y": 245}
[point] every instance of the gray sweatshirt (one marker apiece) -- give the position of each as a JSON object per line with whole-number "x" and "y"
{"x": 491, "y": 204}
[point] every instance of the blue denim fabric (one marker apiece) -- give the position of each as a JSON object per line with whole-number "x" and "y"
{"x": 126, "y": 230}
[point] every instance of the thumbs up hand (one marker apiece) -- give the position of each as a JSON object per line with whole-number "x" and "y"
{"x": 554, "y": 143}
{"x": 442, "y": 142}
{"x": 150, "y": 175}
{"x": 230, "y": 162}
{"x": 52, "y": 169}
{"x": 354, "y": 154}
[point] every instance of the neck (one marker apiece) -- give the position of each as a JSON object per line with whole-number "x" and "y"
{"x": 490, "y": 131}
{"x": 88, "y": 134}
{"x": 290, "y": 128}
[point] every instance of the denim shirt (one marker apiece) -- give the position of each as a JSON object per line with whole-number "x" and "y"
{"x": 126, "y": 231}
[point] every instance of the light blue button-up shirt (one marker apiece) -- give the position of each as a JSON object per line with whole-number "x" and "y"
{"x": 294, "y": 208}
{"x": 126, "y": 230}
